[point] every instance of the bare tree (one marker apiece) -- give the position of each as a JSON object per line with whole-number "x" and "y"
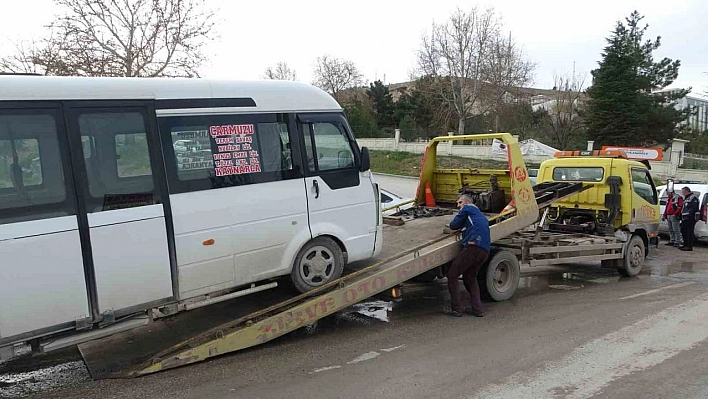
{"x": 281, "y": 72}
{"x": 334, "y": 75}
{"x": 26, "y": 55}
{"x": 21, "y": 60}
{"x": 507, "y": 71}
{"x": 122, "y": 38}
{"x": 565, "y": 123}
{"x": 479, "y": 64}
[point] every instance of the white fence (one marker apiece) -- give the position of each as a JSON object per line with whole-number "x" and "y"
{"x": 663, "y": 170}
{"x": 447, "y": 148}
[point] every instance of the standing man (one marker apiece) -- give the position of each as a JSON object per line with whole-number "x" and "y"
{"x": 476, "y": 244}
{"x": 688, "y": 218}
{"x": 672, "y": 215}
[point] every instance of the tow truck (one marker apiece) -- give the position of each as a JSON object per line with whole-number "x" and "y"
{"x": 517, "y": 213}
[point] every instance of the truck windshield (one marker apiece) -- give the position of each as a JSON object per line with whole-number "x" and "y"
{"x": 578, "y": 174}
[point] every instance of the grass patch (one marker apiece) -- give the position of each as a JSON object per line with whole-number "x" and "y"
{"x": 408, "y": 164}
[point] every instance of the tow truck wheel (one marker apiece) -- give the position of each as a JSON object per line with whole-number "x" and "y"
{"x": 633, "y": 257}
{"x": 318, "y": 262}
{"x": 499, "y": 277}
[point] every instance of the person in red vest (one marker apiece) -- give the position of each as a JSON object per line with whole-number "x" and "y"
{"x": 672, "y": 215}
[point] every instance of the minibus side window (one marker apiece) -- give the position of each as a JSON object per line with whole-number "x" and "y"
{"x": 32, "y": 181}
{"x": 214, "y": 151}
{"x": 332, "y": 147}
{"x": 117, "y": 160}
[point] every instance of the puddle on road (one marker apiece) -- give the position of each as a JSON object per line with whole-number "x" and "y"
{"x": 64, "y": 375}
{"x": 667, "y": 262}
{"x": 566, "y": 281}
{"x": 680, "y": 269}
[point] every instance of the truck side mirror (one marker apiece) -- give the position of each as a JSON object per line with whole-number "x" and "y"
{"x": 365, "y": 160}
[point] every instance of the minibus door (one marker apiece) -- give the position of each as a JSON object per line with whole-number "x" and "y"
{"x": 341, "y": 198}
{"x": 121, "y": 193}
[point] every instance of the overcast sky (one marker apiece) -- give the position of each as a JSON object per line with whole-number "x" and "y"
{"x": 382, "y": 36}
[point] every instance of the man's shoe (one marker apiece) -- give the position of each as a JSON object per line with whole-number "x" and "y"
{"x": 670, "y": 243}
{"x": 476, "y": 313}
{"x": 452, "y": 313}
{"x": 688, "y": 249}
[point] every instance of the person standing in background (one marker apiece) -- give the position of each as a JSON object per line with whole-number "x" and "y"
{"x": 688, "y": 218}
{"x": 672, "y": 215}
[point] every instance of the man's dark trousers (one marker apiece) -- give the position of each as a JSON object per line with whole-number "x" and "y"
{"x": 688, "y": 232}
{"x": 467, "y": 263}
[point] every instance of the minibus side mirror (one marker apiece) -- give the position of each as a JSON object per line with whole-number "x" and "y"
{"x": 365, "y": 160}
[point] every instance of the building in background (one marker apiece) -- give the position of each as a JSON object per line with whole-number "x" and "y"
{"x": 699, "y": 119}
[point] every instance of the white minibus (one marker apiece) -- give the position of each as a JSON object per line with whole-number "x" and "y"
{"x": 125, "y": 195}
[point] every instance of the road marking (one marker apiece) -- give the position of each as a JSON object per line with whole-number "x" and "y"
{"x": 595, "y": 364}
{"x": 657, "y": 290}
{"x": 366, "y": 356}
{"x": 393, "y": 349}
{"x": 565, "y": 287}
{"x": 315, "y": 371}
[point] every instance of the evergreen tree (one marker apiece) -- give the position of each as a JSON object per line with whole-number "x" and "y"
{"x": 409, "y": 130}
{"x": 362, "y": 120}
{"x": 431, "y": 115}
{"x": 383, "y": 103}
{"x": 624, "y": 106}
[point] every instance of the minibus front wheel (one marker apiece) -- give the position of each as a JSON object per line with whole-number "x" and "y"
{"x": 318, "y": 262}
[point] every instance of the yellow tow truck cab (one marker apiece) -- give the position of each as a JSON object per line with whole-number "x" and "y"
{"x": 620, "y": 194}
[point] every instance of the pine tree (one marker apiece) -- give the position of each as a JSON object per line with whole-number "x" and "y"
{"x": 409, "y": 130}
{"x": 383, "y": 103}
{"x": 625, "y": 105}
{"x": 362, "y": 119}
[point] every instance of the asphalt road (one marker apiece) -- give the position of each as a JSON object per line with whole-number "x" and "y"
{"x": 580, "y": 333}
{"x": 402, "y": 186}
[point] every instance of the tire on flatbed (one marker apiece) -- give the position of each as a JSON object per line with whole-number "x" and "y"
{"x": 499, "y": 276}
{"x": 634, "y": 257}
